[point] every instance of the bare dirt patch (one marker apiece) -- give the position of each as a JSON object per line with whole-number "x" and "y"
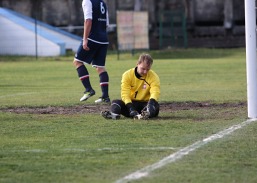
{"x": 82, "y": 109}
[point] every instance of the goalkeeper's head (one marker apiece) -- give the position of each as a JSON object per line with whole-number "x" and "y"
{"x": 146, "y": 58}
{"x": 144, "y": 64}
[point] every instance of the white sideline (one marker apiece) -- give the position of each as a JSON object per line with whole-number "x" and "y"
{"x": 182, "y": 152}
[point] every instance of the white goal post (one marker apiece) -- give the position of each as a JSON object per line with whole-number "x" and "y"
{"x": 251, "y": 65}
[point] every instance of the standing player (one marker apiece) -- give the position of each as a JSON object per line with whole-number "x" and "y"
{"x": 93, "y": 48}
{"x": 140, "y": 91}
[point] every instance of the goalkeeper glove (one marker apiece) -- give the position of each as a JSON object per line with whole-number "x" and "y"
{"x": 132, "y": 110}
{"x": 152, "y": 102}
{"x": 151, "y": 106}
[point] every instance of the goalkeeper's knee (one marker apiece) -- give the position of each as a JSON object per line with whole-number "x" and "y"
{"x": 116, "y": 107}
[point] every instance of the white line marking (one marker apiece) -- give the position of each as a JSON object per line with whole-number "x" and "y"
{"x": 36, "y": 151}
{"x": 182, "y": 152}
{"x": 100, "y": 149}
{"x": 123, "y": 149}
{"x": 17, "y": 94}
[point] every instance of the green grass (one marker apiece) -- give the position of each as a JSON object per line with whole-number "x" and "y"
{"x": 87, "y": 148}
{"x": 54, "y": 81}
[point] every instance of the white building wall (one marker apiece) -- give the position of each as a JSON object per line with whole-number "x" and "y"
{"x": 17, "y": 40}
{"x": 21, "y": 35}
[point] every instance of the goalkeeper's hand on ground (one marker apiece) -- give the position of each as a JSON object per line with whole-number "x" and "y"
{"x": 132, "y": 110}
{"x": 151, "y": 106}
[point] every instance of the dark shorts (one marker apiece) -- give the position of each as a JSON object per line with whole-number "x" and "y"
{"x": 95, "y": 56}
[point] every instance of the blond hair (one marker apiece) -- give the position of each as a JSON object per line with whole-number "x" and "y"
{"x": 146, "y": 58}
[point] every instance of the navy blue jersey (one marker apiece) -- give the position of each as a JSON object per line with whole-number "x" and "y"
{"x": 96, "y": 10}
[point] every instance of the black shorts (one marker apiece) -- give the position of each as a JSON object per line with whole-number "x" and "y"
{"x": 96, "y": 54}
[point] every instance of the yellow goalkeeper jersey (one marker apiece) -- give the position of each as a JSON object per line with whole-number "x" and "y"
{"x": 136, "y": 88}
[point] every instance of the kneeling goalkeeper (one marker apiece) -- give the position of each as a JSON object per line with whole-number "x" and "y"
{"x": 140, "y": 91}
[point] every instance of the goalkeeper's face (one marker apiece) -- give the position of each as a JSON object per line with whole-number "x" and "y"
{"x": 143, "y": 68}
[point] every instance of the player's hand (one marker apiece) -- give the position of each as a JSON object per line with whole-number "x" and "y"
{"x": 150, "y": 108}
{"x": 132, "y": 110}
{"x": 152, "y": 102}
{"x": 85, "y": 47}
{"x": 133, "y": 113}
{"x": 148, "y": 111}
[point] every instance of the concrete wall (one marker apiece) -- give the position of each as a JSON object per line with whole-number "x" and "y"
{"x": 69, "y": 12}
{"x": 203, "y": 17}
{"x": 55, "y": 12}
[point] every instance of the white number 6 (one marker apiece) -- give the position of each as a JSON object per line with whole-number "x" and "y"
{"x": 102, "y": 8}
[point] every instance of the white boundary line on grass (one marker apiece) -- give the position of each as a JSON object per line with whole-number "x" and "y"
{"x": 144, "y": 172}
{"x": 17, "y": 94}
{"x": 100, "y": 149}
{"x": 123, "y": 149}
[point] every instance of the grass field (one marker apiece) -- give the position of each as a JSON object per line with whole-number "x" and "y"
{"x": 47, "y": 135}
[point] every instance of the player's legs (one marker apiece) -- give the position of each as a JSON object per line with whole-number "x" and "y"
{"x": 118, "y": 108}
{"x": 139, "y": 106}
{"x": 99, "y": 63}
{"x": 82, "y": 56}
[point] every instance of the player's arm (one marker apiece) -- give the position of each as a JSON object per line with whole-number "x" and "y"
{"x": 126, "y": 88}
{"x": 155, "y": 87}
{"x": 87, "y": 29}
{"x": 88, "y": 15}
{"x": 151, "y": 108}
{"x": 125, "y": 93}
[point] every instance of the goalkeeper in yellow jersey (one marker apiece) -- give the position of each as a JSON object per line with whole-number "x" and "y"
{"x": 140, "y": 92}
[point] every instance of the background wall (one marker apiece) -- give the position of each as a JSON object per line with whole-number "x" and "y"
{"x": 204, "y": 18}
